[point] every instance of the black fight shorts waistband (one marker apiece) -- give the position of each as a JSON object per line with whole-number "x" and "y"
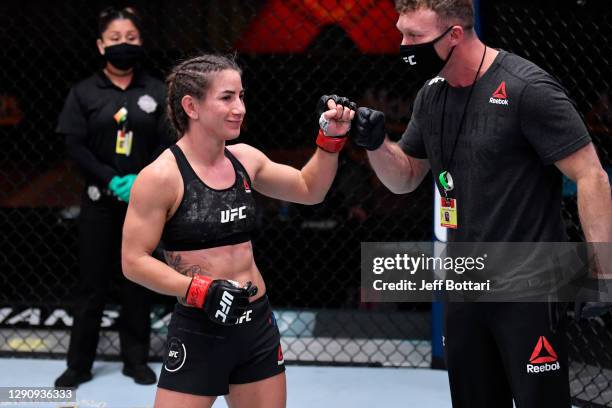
{"x": 256, "y": 311}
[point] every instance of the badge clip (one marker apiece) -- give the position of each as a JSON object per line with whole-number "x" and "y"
{"x": 446, "y": 181}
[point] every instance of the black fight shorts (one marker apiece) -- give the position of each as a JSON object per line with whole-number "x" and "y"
{"x": 203, "y": 358}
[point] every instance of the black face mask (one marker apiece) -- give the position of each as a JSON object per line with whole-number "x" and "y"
{"x": 123, "y": 56}
{"x": 423, "y": 58}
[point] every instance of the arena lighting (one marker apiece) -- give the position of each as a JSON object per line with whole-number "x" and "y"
{"x": 284, "y": 26}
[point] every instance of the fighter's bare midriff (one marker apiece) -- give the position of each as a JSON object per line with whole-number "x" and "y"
{"x": 231, "y": 262}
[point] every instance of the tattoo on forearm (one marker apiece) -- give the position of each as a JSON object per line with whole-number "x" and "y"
{"x": 175, "y": 261}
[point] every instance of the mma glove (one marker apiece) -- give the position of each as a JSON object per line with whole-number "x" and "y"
{"x": 331, "y": 143}
{"x": 223, "y": 301}
{"x": 369, "y": 131}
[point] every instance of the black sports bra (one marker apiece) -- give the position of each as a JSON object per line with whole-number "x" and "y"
{"x": 206, "y": 217}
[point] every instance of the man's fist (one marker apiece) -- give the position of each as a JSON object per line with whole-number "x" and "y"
{"x": 369, "y": 130}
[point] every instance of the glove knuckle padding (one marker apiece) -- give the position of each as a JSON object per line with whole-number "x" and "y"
{"x": 338, "y": 100}
{"x": 362, "y": 114}
{"x": 362, "y": 119}
{"x": 322, "y": 104}
{"x": 370, "y": 128}
{"x": 342, "y": 101}
{"x": 377, "y": 117}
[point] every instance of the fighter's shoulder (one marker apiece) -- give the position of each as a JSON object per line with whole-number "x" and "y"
{"x": 242, "y": 149}
{"x": 251, "y": 158}
{"x": 162, "y": 174}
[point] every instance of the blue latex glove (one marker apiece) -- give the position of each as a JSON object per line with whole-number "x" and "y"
{"x": 123, "y": 190}
{"x": 115, "y": 183}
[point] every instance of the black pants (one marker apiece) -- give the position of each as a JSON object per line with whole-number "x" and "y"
{"x": 100, "y": 227}
{"x": 497, "y": 352}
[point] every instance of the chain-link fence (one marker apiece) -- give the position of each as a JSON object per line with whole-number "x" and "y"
{"x": 292, "y": 52}
{"x": 309, "y": 255}
{"x": 569, "y": 39}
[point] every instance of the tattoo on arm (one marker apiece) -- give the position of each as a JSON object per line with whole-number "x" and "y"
{"x": 175, "y": 261}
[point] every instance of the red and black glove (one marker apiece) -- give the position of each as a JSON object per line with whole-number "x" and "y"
{"x": 329, "y": 143}
{"x": 223, "y": 301}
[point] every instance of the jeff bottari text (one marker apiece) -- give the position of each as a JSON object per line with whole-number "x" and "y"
{"x": 412, "y": 264}
{"x": 438, "y": 284}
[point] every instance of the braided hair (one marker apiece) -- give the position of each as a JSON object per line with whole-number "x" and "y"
{"x": 193, "y": 77}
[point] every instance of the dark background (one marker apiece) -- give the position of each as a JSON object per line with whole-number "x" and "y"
{"x": 309, "y": 256}
{"x": 48, "y": 46}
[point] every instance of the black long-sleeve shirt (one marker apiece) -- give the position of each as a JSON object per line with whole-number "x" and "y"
{"x": 88, "y": 124}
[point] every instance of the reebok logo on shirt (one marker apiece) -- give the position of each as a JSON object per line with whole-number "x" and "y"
{"x": 500, "y": 97}
{"x": 543, "y": 358}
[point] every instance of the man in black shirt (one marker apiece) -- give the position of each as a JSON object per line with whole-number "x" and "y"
{"x": 497, "y": 132}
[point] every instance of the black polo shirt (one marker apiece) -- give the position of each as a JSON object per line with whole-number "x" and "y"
{"x": 87, "y": 121}
{"x": 519, "y": 122}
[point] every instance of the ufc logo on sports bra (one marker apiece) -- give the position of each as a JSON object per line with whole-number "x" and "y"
{"x": 232, "y": 214}
{"x": 226, "y": 303}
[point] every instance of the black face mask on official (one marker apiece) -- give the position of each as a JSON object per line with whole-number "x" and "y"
{"x": 423, "y": 58}
{"x": 124, "y": 56}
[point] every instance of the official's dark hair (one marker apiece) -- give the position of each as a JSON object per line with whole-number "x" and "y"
{"x": 193, "y": 77}
{"x": 110, "y": 14}
{"x": 449, "y": 11}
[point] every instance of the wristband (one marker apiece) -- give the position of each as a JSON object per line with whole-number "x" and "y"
{"x": 197, "y": 291}
{"x": 330, "y": 144}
